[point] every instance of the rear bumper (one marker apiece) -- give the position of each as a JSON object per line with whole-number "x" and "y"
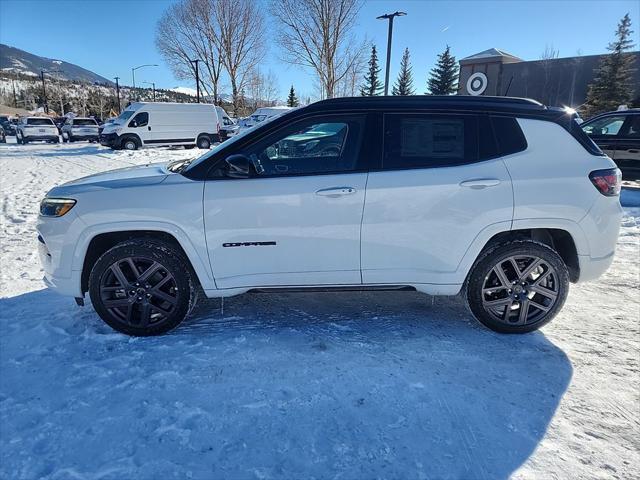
{"x": 84, "y": 137}
{"x": 41, "y": 138}
{"x": 593, "y": 268}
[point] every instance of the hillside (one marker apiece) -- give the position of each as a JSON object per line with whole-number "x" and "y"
{"x": 15, "y": 60}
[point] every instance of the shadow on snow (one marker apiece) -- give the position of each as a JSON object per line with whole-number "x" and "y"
{"x": 302, "y": 385}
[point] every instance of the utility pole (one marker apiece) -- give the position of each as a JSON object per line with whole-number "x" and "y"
{"x": 44, "y": 93}
{"x": 118, "y": 93}
{"x": 196, "y": 61}
{"x": 390, "y": 17}
{"x": 13, "y": 84}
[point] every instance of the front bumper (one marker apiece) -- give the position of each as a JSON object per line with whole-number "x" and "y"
{"x": 111, "y": 140}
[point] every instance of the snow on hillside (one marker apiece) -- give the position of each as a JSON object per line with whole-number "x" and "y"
{"x": 186, "y": 90}
{"x": 343, "y": 385}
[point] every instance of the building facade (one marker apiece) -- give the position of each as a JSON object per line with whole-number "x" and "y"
{"x": 556, "y": 81}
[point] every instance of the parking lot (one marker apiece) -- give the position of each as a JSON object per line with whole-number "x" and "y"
{"x": 343, "y": 385}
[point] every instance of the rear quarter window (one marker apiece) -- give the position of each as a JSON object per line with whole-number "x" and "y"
{"x": 509, "y": 136}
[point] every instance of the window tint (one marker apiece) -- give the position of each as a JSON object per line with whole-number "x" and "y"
{"x": 509, "y": 136}
{"x": 84, "y": 121}
{"x": 429, "y": 140}
{"x": 140, "y": 120}
{"x": 634, "y": 127}
{"x": 39, "y": 121}
{"x": 310, "y": 147}
{"x": 604, "y": 126}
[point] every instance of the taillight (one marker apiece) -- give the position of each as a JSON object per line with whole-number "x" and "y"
{"x": 608, "y": 181}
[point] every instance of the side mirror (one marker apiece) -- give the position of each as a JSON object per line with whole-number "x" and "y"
{"x": 237, "y": 166}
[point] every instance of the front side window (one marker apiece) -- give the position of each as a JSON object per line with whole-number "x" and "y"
{"x": 633, "y": 129}
{"x": 308, "y": 147}
{"x": 140, "y": 120}
{"x": 429, "y": 140}
{"x": 604, "y": 126}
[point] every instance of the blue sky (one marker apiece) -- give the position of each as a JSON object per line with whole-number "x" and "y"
{"x": 109, "y": 37}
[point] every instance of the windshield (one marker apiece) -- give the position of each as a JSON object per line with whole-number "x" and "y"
{"x": 39, "y": 121}
{"x": 258, "y": 118}
{"x": 124, "y": 116}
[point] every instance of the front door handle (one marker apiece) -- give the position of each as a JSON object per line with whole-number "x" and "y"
{"x": 480, "y": 183}
{"x": 334, "y": 192}
{"x": 149, "y": 128}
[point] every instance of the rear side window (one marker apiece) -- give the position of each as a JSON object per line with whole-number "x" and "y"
{"x": 39, "y": 121}
{"x": 429, "y": 140}
{"x": 509, "y": 136}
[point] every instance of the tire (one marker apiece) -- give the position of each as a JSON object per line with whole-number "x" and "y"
{"x": 529, "y": 303}
{"x": 123, "y": 309}
{"x": 130, "y": 143}
{"x": 70, "y": 139}
{"x": 204, "y": 142}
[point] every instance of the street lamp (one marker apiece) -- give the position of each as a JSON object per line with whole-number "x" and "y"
{"x": 154, "y": 89}
{"x": 133, "y": 73}
{"x": 118, "y": 92}
{"x": 390, "y": 17}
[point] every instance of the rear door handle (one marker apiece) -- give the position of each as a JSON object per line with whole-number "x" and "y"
{"x": 480, "y": 183}
{"x": 336, "y": 191}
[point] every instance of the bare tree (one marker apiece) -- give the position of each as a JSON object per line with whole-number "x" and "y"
{"x": 262, "y": 89}
{"x": 241, "y": 27}
{"x": 189, "y": 30}
{"x": 318, "y": 34}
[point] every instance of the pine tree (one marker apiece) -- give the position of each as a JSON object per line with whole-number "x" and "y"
{"x": 372, "y": 84}
{"x": 404, "y": 84}
{"x": 444, "y": 76}
{"x": 292, "y": 100}
{"x": 613, "y": 84}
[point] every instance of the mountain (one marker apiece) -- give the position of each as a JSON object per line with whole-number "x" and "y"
{"x": 13, "y": 59}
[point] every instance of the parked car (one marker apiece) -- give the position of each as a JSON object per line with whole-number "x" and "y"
{"x": 3, "y": 136}
{"x": 9, "y": 128}
{"x": 502, "y": 199}
{"x": 79, "y": 128}
{"x": 158, "y": 124}
{"x": 228, "y": 127}
{"x": 33, "y": 129}
{"x": 262, "y": 114}
{"x": 618, "y": 135}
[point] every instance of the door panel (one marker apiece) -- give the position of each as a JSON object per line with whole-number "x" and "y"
{"x": 418, "y": 223}
{"x": 284, "y": 230}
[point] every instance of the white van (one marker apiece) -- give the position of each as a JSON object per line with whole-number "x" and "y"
{"x": 161, "y": 124}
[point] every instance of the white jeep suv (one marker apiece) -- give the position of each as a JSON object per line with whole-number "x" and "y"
{"x": 32, "y": 129}
{"x": 502, "y": 199}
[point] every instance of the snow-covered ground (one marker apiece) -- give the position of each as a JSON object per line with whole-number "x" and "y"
{"x": 343, "y": 385}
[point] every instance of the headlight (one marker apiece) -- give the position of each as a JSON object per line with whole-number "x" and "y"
{"x": 56, "y": 207}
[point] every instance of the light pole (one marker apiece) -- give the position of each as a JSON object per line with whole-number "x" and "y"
{"x": 133, "y": 73}
{"x": 118, "y": 93}
{"x": 154, "y": 89}
{"x": 390, "y": 17}
{"x": 196, "y": 61}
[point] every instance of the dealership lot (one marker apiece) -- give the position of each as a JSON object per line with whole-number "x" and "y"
{"x": 345, "y": 385}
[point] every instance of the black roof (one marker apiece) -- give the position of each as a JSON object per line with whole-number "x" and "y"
{"x": 517, "y": 105}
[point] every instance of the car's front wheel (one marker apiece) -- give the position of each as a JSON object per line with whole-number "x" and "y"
{"x": 517, "y": 287}
{"x": 142, "y": 287}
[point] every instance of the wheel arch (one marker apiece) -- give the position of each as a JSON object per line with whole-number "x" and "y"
{"x": 100, "y": 242}
{"x": 128, "y": 135}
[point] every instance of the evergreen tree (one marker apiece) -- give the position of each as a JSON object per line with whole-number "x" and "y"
{"x": 613, "y": 84}
{"x": 292, "y": 100}
{"x": 444, "y": 76}
{"x": 372, "y": 83}
{"x": 404, "y": 84}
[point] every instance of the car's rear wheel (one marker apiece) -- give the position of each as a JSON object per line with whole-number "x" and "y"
{"x": 517, "y": 287}
{"x": 142, "y": 287}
